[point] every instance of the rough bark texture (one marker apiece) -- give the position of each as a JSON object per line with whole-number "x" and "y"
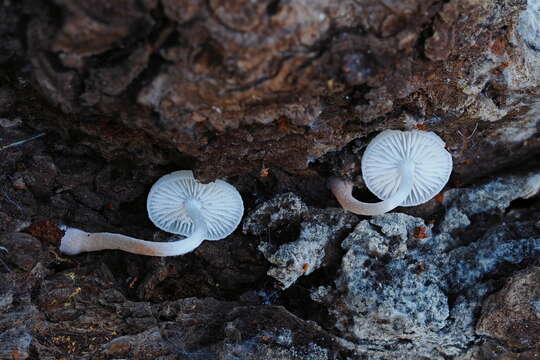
{"x": 274, "y": 96}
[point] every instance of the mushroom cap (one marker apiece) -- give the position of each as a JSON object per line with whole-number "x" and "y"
{"x": 221, "y": 205}
{"x": 392, "y": 148}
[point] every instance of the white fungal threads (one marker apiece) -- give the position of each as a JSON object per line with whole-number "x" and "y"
{"x": 401, "y": 168}
{"x": 179, "y": 204}
{"x": 532, "y": 186}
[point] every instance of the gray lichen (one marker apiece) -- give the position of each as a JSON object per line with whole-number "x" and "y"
{"x": 494, "y": 196}
{"x": 300, "y": 257}
{"x": 283, "y": 209}
{"x": 454, "y": 219}
{"x": 417, "y": 295}
{"x": 318, "y": 229}
{"x": 404, "y": 284}
{"x": 386, "y": 289}
{"x": 278, "y": 344}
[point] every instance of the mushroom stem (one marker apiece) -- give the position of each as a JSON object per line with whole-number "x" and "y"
{"x": 342, "y": 190}
{"x": 77, "y": 241}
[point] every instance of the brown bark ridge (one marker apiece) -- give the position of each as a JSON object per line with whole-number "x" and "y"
{"x": 239, "y": 86}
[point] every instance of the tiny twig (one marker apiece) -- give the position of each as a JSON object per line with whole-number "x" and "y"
{"x": 465, "y": 139}
{"x": 474, "y": 131}
{"x": 2, "y": 261}
{"x": 21, "y": 142}
{"x": 5, "y": 265}
{"x": 9, "y": 199}
{"x": 62, "y": 259}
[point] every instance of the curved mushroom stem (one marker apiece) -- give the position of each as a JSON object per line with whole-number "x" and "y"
{"x": 342, "y": 190}
{"x": 77, "y": 241}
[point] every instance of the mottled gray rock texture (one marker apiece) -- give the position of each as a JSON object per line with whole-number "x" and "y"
{"x": 405, "y": 285}
{"x": 402, "y": 289}
{"x": 319, "y": 230}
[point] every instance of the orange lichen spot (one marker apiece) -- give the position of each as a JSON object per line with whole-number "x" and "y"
{"x": 167, "y": 102}
{"x": 19, "y": 184}
{"x": 283, "y": 124}
{"x": 498, "y": 46}
{"x": 504, "y": 65}
{"x": 132, "y": 282}
{"x": 467, "y": 162}
{"x": 422, "y": 127}
{"x": 17, "y": 355}
{"x": 431, "y": 222}
{"x": 420, "y": 268}
{"x": 456, "y": 183}
{"x": 265, "y": 339}
{"x": 305, "y": 267}
{"x": 439, "y": 197}
{"x": 420, "y": 232}
{"x": 196, "y": 117}
{"x": 264, "y": 172}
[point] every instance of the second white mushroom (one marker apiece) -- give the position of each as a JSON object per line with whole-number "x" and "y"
{"x": 402, "y": 168}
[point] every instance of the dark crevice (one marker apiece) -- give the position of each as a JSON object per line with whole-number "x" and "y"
{"x": 250, "y": 85}
{"x": 420, "y": 46}
{"x": 518, "y": 167}
{"x": 506, "y": 269}
{"x": 427, "y": 30}
{"x": 523, "y": 203}
{"x": 273, "y": 7}
{"x": 358, "y": 93}
{"x": 297, "y": 298}
{"x": 261, "y": 80}
{"x": 491, "y": 92}
{"x": 162, "y": 36}
{"x": 22, "y": 28}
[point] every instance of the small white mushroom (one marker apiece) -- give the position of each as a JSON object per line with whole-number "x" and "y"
{"x": 179, "y": 204}
{"x": 402, "y": 168}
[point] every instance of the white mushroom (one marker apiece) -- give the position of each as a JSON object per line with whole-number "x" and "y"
{"x": 403, "y": 168}
{"x": 179, "y": 204}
